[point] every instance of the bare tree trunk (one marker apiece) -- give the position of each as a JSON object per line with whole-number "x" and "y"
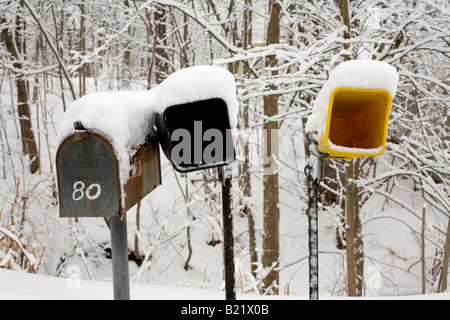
{"x": 424, "y": 265}
{"x": 350, "y": 232}
{"x": 126, "y": 68}
{"x": 353, "y": 236}
{"x": 52, "y": 47}
{"x": 345, "y": 13}
{"x": 444, "y": 271}
{"x": 248, "y": 21}
{"x": 186, "y": 43}
{"x": 271, "y": 212}
{"x": 82, "y": 71}
{"x": 247, "y": 190}
{"x": 161, "y": 58}
{"x": 137, "y": 250}
{"x": 354, "y": 241}
{"x": 359, "y": 243}
{"x": 59, "y": 33}
{"x": 245, "y": 177}
{"x": 15, "y": 47}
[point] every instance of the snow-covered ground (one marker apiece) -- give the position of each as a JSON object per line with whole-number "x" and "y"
{"x": 24, "y": 286}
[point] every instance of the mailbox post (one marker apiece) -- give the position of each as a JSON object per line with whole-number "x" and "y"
{"x": 313, "y": 173}
{"x": 196, "y": 136}
{"x": 119, "y": 253}
{"x": 89, "y": 186}
{"x": 347, "y": 122}
{"x": 228, "y": 237}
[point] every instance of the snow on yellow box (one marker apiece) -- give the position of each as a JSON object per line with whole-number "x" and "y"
{"x": 351, "y": 113}
{"x": 357, "y": 122}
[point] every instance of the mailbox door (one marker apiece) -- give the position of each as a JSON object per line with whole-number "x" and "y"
{"x": 88, "y": 177}
{"x": 146, "y": 176}
{"x": 197, "y": 135}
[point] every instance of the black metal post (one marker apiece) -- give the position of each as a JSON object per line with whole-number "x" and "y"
{"x": 314, "y": 167}
{"x": 119, "y": 250}
{"x": 228, "y": 237}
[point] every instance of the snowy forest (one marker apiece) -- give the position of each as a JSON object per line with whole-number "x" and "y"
{"x": 384, "y": 222}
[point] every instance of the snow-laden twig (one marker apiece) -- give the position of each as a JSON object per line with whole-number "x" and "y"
{"x": 52, "y": 47}
{"x": 31, "y": 259}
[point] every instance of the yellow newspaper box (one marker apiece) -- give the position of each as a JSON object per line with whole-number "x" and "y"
{"x": 357, "y": 123}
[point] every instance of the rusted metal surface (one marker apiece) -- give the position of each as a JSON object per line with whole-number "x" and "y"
{"x": 88, "y": 177}
{"x": 145, "y": 175}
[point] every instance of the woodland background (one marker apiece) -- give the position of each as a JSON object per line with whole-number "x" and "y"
{"x": 384, "y": 222}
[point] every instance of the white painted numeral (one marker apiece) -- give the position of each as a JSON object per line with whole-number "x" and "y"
{"x": 96, "y": 195}
{"x": 78, "y": 191}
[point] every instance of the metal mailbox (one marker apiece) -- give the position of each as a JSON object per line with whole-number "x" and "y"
{"x": 145, "y": 175}
{"x": 196, "y": 135}
{"x": 88, "y": 176}
{"x": 357, "y": 123}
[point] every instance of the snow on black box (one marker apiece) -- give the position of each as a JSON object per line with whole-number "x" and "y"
{"x": 196, "y": 116}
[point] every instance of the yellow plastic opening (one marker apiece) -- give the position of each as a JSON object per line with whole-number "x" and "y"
{"x": 356, "y": 123}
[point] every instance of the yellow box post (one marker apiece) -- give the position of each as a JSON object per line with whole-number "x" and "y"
{"x": 357, "y": 123}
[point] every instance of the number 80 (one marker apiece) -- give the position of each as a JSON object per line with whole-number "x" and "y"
{"x": 78, "y": 191}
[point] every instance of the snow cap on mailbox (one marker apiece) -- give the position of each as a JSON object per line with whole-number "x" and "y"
{"x": 124, "y": 118}
{"x": 351, "y": 113}
{"x": 196, "y": 117}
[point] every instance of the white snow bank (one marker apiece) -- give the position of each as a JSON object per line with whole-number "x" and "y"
{"x": 15, "y": 285}
{"x": 361, "y": 74}
{"x": 199, "y": 83}
{"x": 125, "y": 118}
